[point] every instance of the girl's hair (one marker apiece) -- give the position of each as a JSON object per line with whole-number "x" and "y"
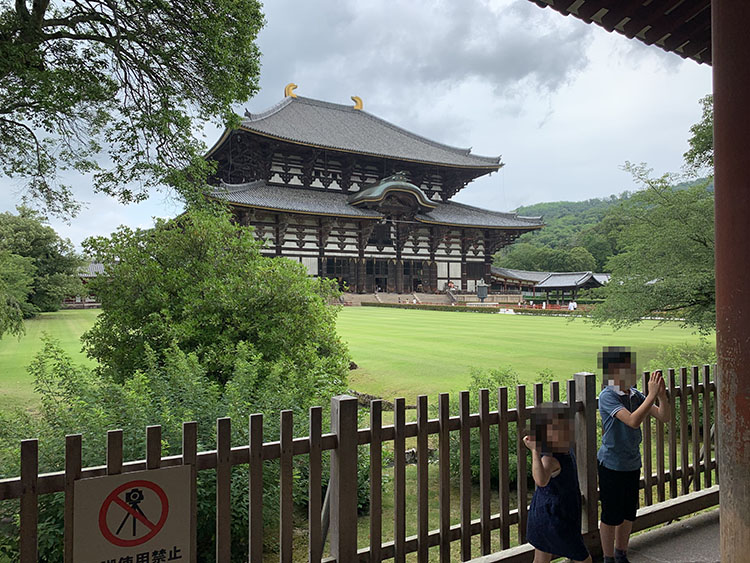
{"x": 542, "y": 416}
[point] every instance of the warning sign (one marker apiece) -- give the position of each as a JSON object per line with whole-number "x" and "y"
{"x": 141, "y": 517}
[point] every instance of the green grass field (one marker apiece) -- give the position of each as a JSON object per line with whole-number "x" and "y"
{"x": 16, "y": 385}
{"x": 399, "y": 352}
{"x": 407, "y": 353}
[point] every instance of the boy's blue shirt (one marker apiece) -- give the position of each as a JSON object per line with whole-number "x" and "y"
{"x": 620, "y": 450}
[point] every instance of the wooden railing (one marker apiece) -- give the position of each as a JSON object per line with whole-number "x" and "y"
{"x": 695, "y": 470}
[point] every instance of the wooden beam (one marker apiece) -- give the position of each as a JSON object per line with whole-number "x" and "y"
{"x": 677, "y": 18}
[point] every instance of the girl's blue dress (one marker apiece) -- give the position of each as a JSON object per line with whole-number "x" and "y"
{"x": 554, "y": 520}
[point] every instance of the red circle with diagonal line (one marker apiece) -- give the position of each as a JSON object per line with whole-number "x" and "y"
{"x": 114, "y": 500}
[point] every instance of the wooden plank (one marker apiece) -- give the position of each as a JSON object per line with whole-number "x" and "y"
{"x": 707, "y": 424}
{"x": 672, "y": 436}
{"x": 29, "y": 516}
{"x": 153, "y": 447}
{"x": 717, "y": 434}
{"x": 554, "y": 394}
{"x": 399, "y": 479}
{"x": 72, "y": 473}
{"x": 660, "y": 484}
{"x": 585, "y": 391}
{"x": 504, "y": 466}
{"x": 376, "y": 480}
{"x": 422, "y": 480}
{"x": 696, "y": 420}
{"x": 445, "y": 475}
{"x": 255, "y": 488}
{"x": 648, "y": 473}
{"x": 465, "y": 475}
{"x": 538, "y": 393}
{"x": 223, "y": 491}
{"x": 684, "y": 438}
{"x": 286, "y": 484}
{"x": 484, "y": 469}
{"x": 114, "y": 452}
{"x": 521, "y": 488}
{"x": 190, "y": 457}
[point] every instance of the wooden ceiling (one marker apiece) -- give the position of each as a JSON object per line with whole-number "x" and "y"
{"x": 678, "y": 26}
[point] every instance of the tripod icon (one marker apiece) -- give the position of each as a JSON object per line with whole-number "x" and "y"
{"x": 133, "y": 497}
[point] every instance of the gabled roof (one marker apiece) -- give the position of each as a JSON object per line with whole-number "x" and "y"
{"x": 91, "y": 270}
{"x": 521, "y": 275}
{"x": 553, "y": 280}
{"x": 260, "y": 195}
{"x": 341, "y": 127}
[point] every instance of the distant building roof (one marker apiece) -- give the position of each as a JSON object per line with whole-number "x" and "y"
{"x": 260, "y": 195}
{"x": 91, "y": 270}
{"x": 568, "y": 280}
{"x": 522, "y": 275}
{"x": 553, "y": 280}
{"x": 341, "y": 127}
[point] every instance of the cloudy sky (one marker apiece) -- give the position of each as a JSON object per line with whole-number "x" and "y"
{"x": 564, "y": 103}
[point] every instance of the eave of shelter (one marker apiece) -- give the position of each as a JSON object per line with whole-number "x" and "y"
{"x": 324, "y": 125}
{"x": 678, "y": 26}
{"x": 376, "y": 196}
{"x": 260, "y": 195}
{"x": 568, "y": 280}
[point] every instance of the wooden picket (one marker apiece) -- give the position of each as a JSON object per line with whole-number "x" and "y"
{"x": 693, "y": 435}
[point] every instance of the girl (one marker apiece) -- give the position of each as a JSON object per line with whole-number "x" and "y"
{"x": 554, "y": 521}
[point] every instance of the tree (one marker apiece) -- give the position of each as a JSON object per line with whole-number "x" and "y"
{"x": 700, "y": 155}
{"x": 528, "y": 256}
{"x": 54, "y": 261}
{"x": 666, "y": 262}
{"x": 16, "y": 279}
{"x": 136, "y": 77}
{"x": 200, "y": 282}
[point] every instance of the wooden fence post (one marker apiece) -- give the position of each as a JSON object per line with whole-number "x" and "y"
{"x": 343, "y": 481}
{"x": 29, "y": 515}
{"x": 586, "y": 458}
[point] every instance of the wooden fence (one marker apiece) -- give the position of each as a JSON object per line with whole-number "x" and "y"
{"x": 671, "y": 489}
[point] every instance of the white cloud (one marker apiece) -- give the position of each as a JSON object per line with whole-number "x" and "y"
{"x": 565, "y": 103}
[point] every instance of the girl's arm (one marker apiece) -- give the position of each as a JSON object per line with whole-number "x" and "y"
{"x": 542, "y": 468}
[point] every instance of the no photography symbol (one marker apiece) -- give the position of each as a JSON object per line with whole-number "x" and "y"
{"x": 130, "y": 524}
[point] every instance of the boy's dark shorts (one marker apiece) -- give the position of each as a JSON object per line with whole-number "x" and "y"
{"x": 618, "y": 492}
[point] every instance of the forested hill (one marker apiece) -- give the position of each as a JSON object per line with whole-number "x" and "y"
{"x": 578, "y": 235}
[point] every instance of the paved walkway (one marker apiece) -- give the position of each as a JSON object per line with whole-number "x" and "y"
{"x": 693, "y": 539}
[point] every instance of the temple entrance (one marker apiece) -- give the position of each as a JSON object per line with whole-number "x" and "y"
{"x": 377, "y": 275}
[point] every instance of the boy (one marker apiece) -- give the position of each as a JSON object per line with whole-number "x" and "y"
{"x": 623, "y": 408}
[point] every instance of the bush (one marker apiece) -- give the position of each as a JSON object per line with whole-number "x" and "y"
{"x": 172, "y": 388}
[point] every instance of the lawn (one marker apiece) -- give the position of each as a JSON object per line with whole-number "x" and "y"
{"x": 16, "y": 385}
{"x": 399, "y": 352}
{"x": 407, "y": 353}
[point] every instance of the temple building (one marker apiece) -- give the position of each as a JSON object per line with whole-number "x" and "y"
{"x": 356, "y": 198}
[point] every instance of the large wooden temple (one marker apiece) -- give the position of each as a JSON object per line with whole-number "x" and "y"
{"x": 359, "y": 199}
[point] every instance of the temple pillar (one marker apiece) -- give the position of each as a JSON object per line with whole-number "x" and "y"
{"x": 361, "y": 275}
{"x": 731, "y": 77}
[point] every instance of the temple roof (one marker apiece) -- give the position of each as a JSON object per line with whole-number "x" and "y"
{"x": 260, "y": 195}
{"x": 553, "y": 280}
{"x": 395, "y": 183}
{"x": 341, "y": 127}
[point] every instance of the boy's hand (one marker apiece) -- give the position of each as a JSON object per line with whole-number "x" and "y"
{"x": 655, "y": 384}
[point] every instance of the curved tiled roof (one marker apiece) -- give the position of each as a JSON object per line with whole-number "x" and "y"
{"x": 341, "y": 127}
{"x": 260, "y": 195}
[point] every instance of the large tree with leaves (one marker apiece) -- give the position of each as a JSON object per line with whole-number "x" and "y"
{"x": 665, "y": 265}
{"x": 37, "y": 254}
{"x": 200, "y": 282}
{"x": 135, "y": 77}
